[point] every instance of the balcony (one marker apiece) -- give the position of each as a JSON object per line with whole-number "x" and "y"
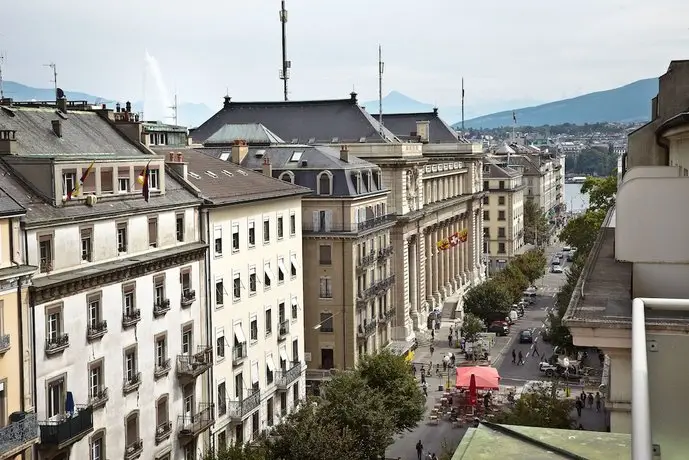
{"x": 5, "y": 343}
{"x": 21, "y": 433}
{"x": 161, "y": 308}
{"x": 192, "y": 425}
{"x": 321, "y": 226}
{"x": 133, "y": 449}
{"x": 238, "y": 410}
{"x": 163, "y": 432}
{"x": 366, "y": 330}
{"x": 283, "y": 330}
{"x": 130, "y": 319}
{"x": 365, "y": 261}
{"x": 68, "y": 429}
{"x": 377, "y": 288}
{"x": 162, "y": 368}
{"x": 131, "y": 383}
{"x": 238, "y": 354}
{"x": 99, "y": 398}
{"x": 188, "y": 298}
{"x": 375, "y": 222}
{"x": 386, "y": 316}
{"x": 284, "y": 379}
{"x": 384, "y": 253}
{"x": 191, "y": 366}
{"x": 96, "y": 331}
{"x": 56, "y": 344}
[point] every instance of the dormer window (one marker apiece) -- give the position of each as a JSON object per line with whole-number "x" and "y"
{"x": 377, "y": 179}
{"x": 367, "y": 181}
{"x": 154, "y": 179}
{"x": 287, "y": 176}
{"x": 356, "y": 181}
{"x": 325, "y": 183}
{"x": 69, "y": 180}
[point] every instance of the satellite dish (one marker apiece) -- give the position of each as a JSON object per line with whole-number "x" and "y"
{"x": 60, "y": 93}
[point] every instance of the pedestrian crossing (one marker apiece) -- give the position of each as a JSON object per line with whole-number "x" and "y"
{"x": 545, "y": 290}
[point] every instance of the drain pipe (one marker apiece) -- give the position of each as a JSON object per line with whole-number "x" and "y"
{"x": 642, "y": 443}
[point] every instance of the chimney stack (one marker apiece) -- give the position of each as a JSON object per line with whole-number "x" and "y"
{"x": 423, "y": 130}
{"x": 62, "y": 104}
{"x": 57, "y": 127}
{"x": 267, "y": 168}
{"x": 8, "y": 141}
{"x": 128, "y": 107}
{"x": 240, "y": 150}
{"x": 117, "y": 107}
{"x": 352, "y": 97}
{"x": 344, "y": 154}
{"x": 227, "y": 102}
{"x": 175, "y": 161}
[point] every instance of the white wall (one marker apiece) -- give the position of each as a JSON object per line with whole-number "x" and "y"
{"x": 250, "y": 306}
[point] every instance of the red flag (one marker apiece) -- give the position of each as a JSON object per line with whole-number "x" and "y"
{"x": 146, "y": 190}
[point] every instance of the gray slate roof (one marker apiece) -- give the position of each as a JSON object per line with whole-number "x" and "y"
{"x": 9, "y": 206}
{"x": 403, "y": 124}
{"x": 252, "y": 133}
{"x": 498, "y": 170}
{"x": 84, "y": 134}
{"x": 228, "y": 183}
{"x": 313, "y": 160}
{"x": 305, "y": 122}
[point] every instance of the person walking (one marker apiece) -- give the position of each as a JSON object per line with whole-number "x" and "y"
{"x": 589, "y": 399}
{"x": 579, "y": 406}
{"x": 419, "y": 450}
{"x": 413, "y": 370}
{"x": 425, "y": 389}
{"x": 535, "y": 350}
{"x": 449, "y": 340}
{"x": 514, "y": 356}
{"x": 432, "y": 350}
{"x": 598, "y": 401}
{"x": 521, "y": 358}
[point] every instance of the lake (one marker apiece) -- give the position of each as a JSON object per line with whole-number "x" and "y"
{"x": 575, "y": 200}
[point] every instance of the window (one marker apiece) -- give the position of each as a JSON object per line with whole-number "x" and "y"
{"x": 501, "y": 248}
{"x": 325, "y": 254}
{"x": 97, "y": 446}
{"x": 162, "y": 415}
{"x": 326, "y": 322}
{"x": 287, "y": 176}
{"x": 295, "y": 350}
{"x": 326, "y": 290}
{"x": 501, "y": 232}
{"x": 269, "y": 321}
{"x": 123, "y": 184}
{"x": 501, "y": 215}
{"x": 185, "y": 281}
{"x": 69, "y": 181}
{"x": 161, "y": 351}
{"x": 152, "y": 232}
{"x": 486, "y": 215}
{"x": 293, "y": 265}
{"x": 217, "y": 236}
{"x": 295, "y": 308}
{"x": 267, "y": 276}
{"x": 220, "y": 343}
{"x": 270, "y": 376}
{"x": 159, "y": 289}
{"x": 219, "y": 293}
{"x": 280, "y": 227}
{"x": 235, "y": 237}
{"x": 236, "y": 287}
{"x": 122, "y": 237}
{"x": 270, "y": 407}
{"x": 130, "y": 365}
{"x": 96, "y": 380}
{"x": 501, "y": 185}
{"x": 501, "y": 200}
{"x": 281, "y": 270}
{"x": 128, "y": 300}
{"x": 266, "y": 230}
{"x": 86, "y": 245}
{"x": 253, "y": 333}
{"x": 324, "y": 183}
{"x": 179, "y": 227}
{"x": 45, "y": 253}
{"x": 187, "y": 339}
{"x": 56, "y": 397}
{"x": 252, "y": 280}
{"x": 54, "y": 324}
{"x": 222, "y": 401}
{"x": 252, "y": 233}
{"x": 486, "y": 185}
{"x": 486, "y": 200}
{"x": 153, "y": 179}
{"x": 222, "y": 440}
{"x": 486, "y": 232}
{"x": 95, "y": 313}
{"x": 292, "y": 224}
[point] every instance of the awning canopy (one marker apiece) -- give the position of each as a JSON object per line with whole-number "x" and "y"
{"x": 487, "y": 378}
{"x": 269, "y": 272}
{"x": 239, "y": 333}
{"x": 254, "y": 373}
{"x": 283, "y": 354}
{"x": 270, "y": 363}
{"x": 281, "y": 266}
{"x": 293, "y": 259}
{"x": 294, "y": 301}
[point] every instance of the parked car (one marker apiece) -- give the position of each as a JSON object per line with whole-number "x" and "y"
{"x": 556, "y": 269}
{"x": 555, "y": 261}
{"x": 566, "y": 249}
{"x": 570, "y": 257}
{"x": 559, "y": 255}
{"x": 499, "y": 327}
{"x": 526, "y": 336}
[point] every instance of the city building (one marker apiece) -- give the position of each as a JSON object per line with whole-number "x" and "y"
{"x": 155, "y": 134}
{"x": 255, "y": 279}
{"x": 117, "y": 304}
{"x": 632, "y": 300}
{"x": 503, "y": 212}
{"x": 18, "y": 424}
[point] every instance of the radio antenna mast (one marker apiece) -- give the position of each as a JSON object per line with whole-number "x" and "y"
{"x": 54, "y": 69}
{"x": 2, "y": 61}
{"x": 174, "y": 110}
{"x": 381, "y": 69}
{"x": 286, "y": 65}
{"x": 462, "y": 106}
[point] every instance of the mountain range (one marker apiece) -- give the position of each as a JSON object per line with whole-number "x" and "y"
{"x": 629, "y": 103}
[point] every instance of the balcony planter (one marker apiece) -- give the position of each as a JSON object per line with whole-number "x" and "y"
{"x": 57, "y": 344}
{"x": 160, "y": 309}
{"x": 134, "y": 450}
{"x": 129, "y": 320}
{"x": 97, "y": 331}
{"x": 163, "y": 432}
{"x": 131, "y": 384}
{"x": 188, "y": 298}
{"x": 162, "y": 370}
{"x": 98, "y": 400}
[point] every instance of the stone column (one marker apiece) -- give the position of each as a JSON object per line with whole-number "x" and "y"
{"x": 466, "y": 250}
{"x": 452, "y": 255}
{"x": 441, "y": 264}
{"x": 414, "y": 281}
{"x": 458, "y": 256}
{"x": 429, "y": 267}
{"x": 448, "y": 254}
{"x": 436, "y": 266}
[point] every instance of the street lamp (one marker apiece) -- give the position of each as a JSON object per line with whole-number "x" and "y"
{"x": 319, "y": 325}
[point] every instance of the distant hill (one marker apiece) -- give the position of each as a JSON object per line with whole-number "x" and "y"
{"x": 396, "y": 102}
{"x": 190, "y": 114}
{"x": 629, "y": 103}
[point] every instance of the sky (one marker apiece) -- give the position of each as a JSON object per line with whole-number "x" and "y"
{"x": 509, "y": 52}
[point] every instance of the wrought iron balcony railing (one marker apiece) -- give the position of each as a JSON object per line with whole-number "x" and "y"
{"x": 367, "y": 329}
{"x": 191, "y": 425}
{"x": 384, "y": 317}
{"x": 96, "y": 331}
{"x": 285, "y": 378}
{"x": 163, "y": 431}
{"x": 131, "y": 318}
{"x": 67, "y": 429}
{"x": 238, "y": 410}
{"x": 131, "y": 383}
{"x": 161, "y": 308}
{"x": 188, "y": 298}
{"x": 19, "y": 434}
{"x": 56, "y": 344}
{"x": 366, "y": 261}
{"x": 191, "y": 366}
{"x": 377, "y": 288}
{"x": 323, "y": 226}
{"x": 133, "y": 449}
{"x": 5, "y": 343}
{"x": 99, "y": 398}
{"x": 162, "y": 368}
{"x": 384, "y": 253}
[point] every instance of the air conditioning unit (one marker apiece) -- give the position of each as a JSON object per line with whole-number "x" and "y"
{"x": 91, "y": 200}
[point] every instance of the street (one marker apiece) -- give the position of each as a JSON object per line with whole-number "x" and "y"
{"x": 436, "y": 437}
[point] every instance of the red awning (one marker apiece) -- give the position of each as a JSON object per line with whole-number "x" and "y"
{"x": 486, "y": 377}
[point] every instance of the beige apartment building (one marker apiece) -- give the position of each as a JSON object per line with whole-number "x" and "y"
{"x": 503, "y": 212}
{"x": 632, "y": 299}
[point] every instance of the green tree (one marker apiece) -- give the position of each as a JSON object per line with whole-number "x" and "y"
{"x": 489, "y": 301}
{"x": 237, "y": 452}
{"x": 513, "y": 280}
{"x": 389, "y": 375}
{"x": 532, "y": 264}
{"x": 539, "y": 407}
{"x": 601, "y": 192}
{"x": 471, "y": 326}
{"x": 536, "y": 225}
{"x": 581, "y": 231}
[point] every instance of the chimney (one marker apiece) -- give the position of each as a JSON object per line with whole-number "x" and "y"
{"x": 57, "y": 127}
{"x": 117, "y": 107}
{"x": 344, "y": 154}
{"x": 435, "y": 111}
{"x": 352, "y": 97}
{"x": 62, "y": 104}
{"x": 128, "y": 107}
{"x": 175, "y": 160}
{"x": 239, "y": 151}
{"x": 8, "y": 141}
{"x": 267, "y": 168}
{"x": 422, "y": 130}
{"x": 226, "y": 103}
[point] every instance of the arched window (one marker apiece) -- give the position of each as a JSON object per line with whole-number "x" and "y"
{"x": 325, "y": 183}
{"x": 287, "y": 176}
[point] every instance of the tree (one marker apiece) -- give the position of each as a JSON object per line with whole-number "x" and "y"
{"x": 536, "y": 225}
{"x": 236, "y": 452}
{"x": 539, "y": 407}
{"x": 513, "y": 280}
{"x": 581, "y": 231}
{"x": 489, "y": 301}
{"x": 389, "y": 375}
{"x": 471, "y": 326}
{"x": 532, "y": 264}
{"x": 601, "y": 192}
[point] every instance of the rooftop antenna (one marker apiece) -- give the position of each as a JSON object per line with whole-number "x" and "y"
{"x": 54, "y": 69}
{"x": 462, "y": 106}
{"x": 174, "y": 109}
{"x": 381, "y": 69}
{"x": 286, "y": 65}
{"x": 2, "y": 61}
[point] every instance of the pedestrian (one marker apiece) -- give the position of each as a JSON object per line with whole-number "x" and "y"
{"x": 598, "y": 401}
{"x": 582, "y": 396}
{"x": 590, "y": 400}
{"x": 579, "y": 406}
{"x": 451, "y": 329}
{"x": 514, "y": 356}
{"x": 413, "y": 370}
{"x": 444, "y": 365}
{"x": 432, "y": 350}
{"x": 423, "y": 377}
{"x": 419, "y": 450}
{"x": 432, "y": 334}
{"x": 521, "y": 358}
{"x": 535, "y": 350}
{"x": 449, "y": 340}
{"x": 425, "y": 389}
{"x": 581, "y": 427}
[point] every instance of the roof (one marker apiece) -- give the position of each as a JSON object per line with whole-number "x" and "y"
{"x": 252, "y": 133}
{"x": 505, "y": 149}
{"x": 490, "y": 441}
{"x": 404, "y": 124}
{"x": 499, "y": 171}
{"x": 223, "y": 183}
{"x": 306, "y": 122}
{"x": 9, "y": 206}
{"x": 84, "y": 133}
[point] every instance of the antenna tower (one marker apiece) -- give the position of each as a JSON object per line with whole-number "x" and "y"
{"x": 286, "y": 65}
{"x": 2, "y": 61}
{"x": 381, "y": 68}
{"x": 54, "y": 69}
{"x": 462, "y": 106}
{"x": 174, "y": 110}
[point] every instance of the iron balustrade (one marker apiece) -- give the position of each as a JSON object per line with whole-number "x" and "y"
{"x": 133, "y": 449}
{"x": 97, "y": 330}
{"x": 377, "y": 288}
{"x": 188, "y": 298}
{"x": 5, "y": 343}
{"x": 191, "y": 425}
{"x": 162, "y": 368}
{"x": 19, "y": 434}
{"x": 240, "y": 409}
{"x": 367, "y": 329}
{"x": 161, "y": 308}
{"x": 326, "y": 226}
{"x": 285, "y": 377}
{"x": 163, "y": 431}
{"x": 56, "y": 344}
{"x": 367, "y": 260}
{"x": 99, "y": 398}
{"x": 191, "y": 366}
{"x": 130, "y": 319}
{"x": 131, "y": 383}
{"x": 68, "y": 428}
{"x": 384, "y": 253}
